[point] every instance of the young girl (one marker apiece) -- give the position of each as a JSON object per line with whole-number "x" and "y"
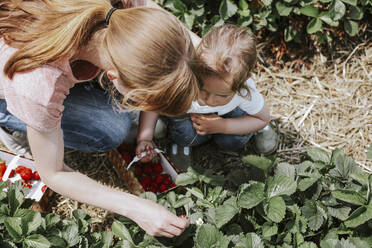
{"x": 229, "y": 109}
{"x": 47, "y": 47}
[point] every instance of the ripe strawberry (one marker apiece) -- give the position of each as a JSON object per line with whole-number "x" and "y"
{"x": 43, "y": 188}
{"x": 163, "y": 188}
{"x": 2, "y": 168}
{"x": 165, "y": 177}
{"x": 147, "y": 169}
{"x": 145, "y": 181}
{"x": 153, "y": 185}
{"x": 126, "y": 156}
{"x": 138, "y": 171}
{"x": 172, "y": 186}
{"x": 20, "y": 168}
{"x": 159, "y": 179}
{"x": 152, "y": 189}
{"x": 35, "y": 175}
{"x": 157, "y": 168}
{"x": 11, "y": 173}
{"x": 27, "y": 185}
{"x": 167, "y": 182}
{"x": 26, "y": 174}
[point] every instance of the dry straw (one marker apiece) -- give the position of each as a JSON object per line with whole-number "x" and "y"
{"x": 324, "y": 106}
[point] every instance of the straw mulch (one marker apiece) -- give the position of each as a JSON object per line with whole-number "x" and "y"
{"x": 324, "y": 106}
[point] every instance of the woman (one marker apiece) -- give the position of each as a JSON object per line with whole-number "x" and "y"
{"x": 47, "y": 47}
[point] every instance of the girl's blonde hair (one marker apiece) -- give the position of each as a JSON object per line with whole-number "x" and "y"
{"x": 150, "y": 49}
{"x": 228, "y": 52}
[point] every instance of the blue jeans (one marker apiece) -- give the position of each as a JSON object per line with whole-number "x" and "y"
{"x": 183, "y": 133}
{"x": 89, "y": 122}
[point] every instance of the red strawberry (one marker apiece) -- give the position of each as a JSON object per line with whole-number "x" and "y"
{"x": 163, "y": 188}
{"x": 165, "y": 177}
{"x": 2, "y": 168}
{"x": 20, "y": 168}
{"x": 172, "y": 186}
{"x": 35, "y": 175}
{"x": 27, "y": 185}
{"x": 145, "y": 181}
{"x": 153, "y": 185}
{"x": 11, "y": 173}
{"x": 26, "y": 174}
{"x": 159, "y": 179}
{"x": 43, "y": 188}
{"x": 147, "y": 169}
{"x": 138, "y": 171}
{"x": 167, "y": 182}
{"x": 126, "y": 156}
{"x": 157, "y": 168}
{"x": 152, "y": 189}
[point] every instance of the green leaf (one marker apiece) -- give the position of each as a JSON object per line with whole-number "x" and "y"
{"x": 359, "y": 216}
{"x": 337, "y": 10}
{"x": 36, "y": 241}
{"x": 149, "y": 196}
{"x": 326, "y": 17}
{"x": 306, "y": 183}
{"x": 289, "y": 34}
{"x": 51, "y": 220}
{"x": 369, "y": 151}
{"x": 243, "y": 5}
{"x": 276, "y": 210}
{"x": 308, "y": 245}
{"x": 182, "y": 202}
{"x": 285, "y": 169}
{"x": 351, "y": 27}
{"x": 209, "y": 236}
{"x": 349, "y": 196}
{"x": 227, "y": 9}
{"x": 79, "y": 214}
{"x": 280, "y": 185}
{"x": 176, "y": 6}
{"x": 283, "y": 9}
{"x": 209, "y": 178}
{"x": 226, "y": 212}
{"x": 345, "y": 166}
{"x": 70, "y": 233}
{"x": 106, "y": 240}
{"x": 267, "y": 2}
{"x": 31, "y": 221}
{"x": 196, "y": 192}
{"x": 269, "y": 230}
{"x": 351, "y": 2}
{"x": 57, "y": 241}
{"x": 355, "y": 13}
{"x": 313, "y": 214}
{"x": 15, "y": 199}
{"x": 341, "y": 213}
{"x": 317, "y": 154}
{"x": 309, "y": 10}
{"x": 189, "y": 20}
{"x": 121, "y": 231}
{"x": 252, "y": 196}
{"x": 184, "y": 179}
{"x": 251, "y": 240}
{"x": 14, "y": 227}
{"x": 258, "y": 161}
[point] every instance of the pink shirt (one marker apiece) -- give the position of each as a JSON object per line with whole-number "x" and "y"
{"x": 36, "y": 97}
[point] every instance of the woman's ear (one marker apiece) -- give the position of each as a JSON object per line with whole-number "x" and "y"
{"x": 112, "y": 75}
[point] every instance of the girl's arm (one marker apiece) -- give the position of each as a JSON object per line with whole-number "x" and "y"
{"x": 48, "y": 151}
{"x": 147, "y": 123}
{"x": 194, "y": 38}
{"x": 239, "y": 125}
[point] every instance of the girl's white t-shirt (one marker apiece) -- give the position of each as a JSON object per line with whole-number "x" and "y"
{"x": 251, "y": 105}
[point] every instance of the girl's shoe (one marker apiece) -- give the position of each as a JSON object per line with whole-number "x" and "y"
{"x": 180, "y": 156}
{"x": 266, "y": 141}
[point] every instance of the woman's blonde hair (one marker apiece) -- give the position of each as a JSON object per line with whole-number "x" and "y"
{"x": 228, "y": 52}
{"x": 150, "y": 49}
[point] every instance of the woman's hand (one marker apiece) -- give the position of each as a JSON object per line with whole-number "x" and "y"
{"x": 207, "y": 123}
{"x": 156, "y": 220}
{"x": 145, "y": 146}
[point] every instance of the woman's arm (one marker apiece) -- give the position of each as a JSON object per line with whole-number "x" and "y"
{"x": 147, "y": 123}
{"x": 48, "y": 151}
{"x": 194, "y": 38}
{"x": 204, "y": 124}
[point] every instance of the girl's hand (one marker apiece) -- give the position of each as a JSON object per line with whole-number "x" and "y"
{"x": 207, "y": 124}
{"x": 148, "y": 147}
{"x": 156, "y": 220}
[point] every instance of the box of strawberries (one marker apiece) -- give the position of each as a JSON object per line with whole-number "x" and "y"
{"x": 14, "y": 167}
{"x": 157, "y": 176}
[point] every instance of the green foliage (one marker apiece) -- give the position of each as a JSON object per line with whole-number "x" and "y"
{"x": 322, "y": 202}
{"x": 285, "y": 16}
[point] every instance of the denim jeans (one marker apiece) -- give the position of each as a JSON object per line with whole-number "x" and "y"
{"x": 89, "y": 121}
{"x": 183, "y": 133}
